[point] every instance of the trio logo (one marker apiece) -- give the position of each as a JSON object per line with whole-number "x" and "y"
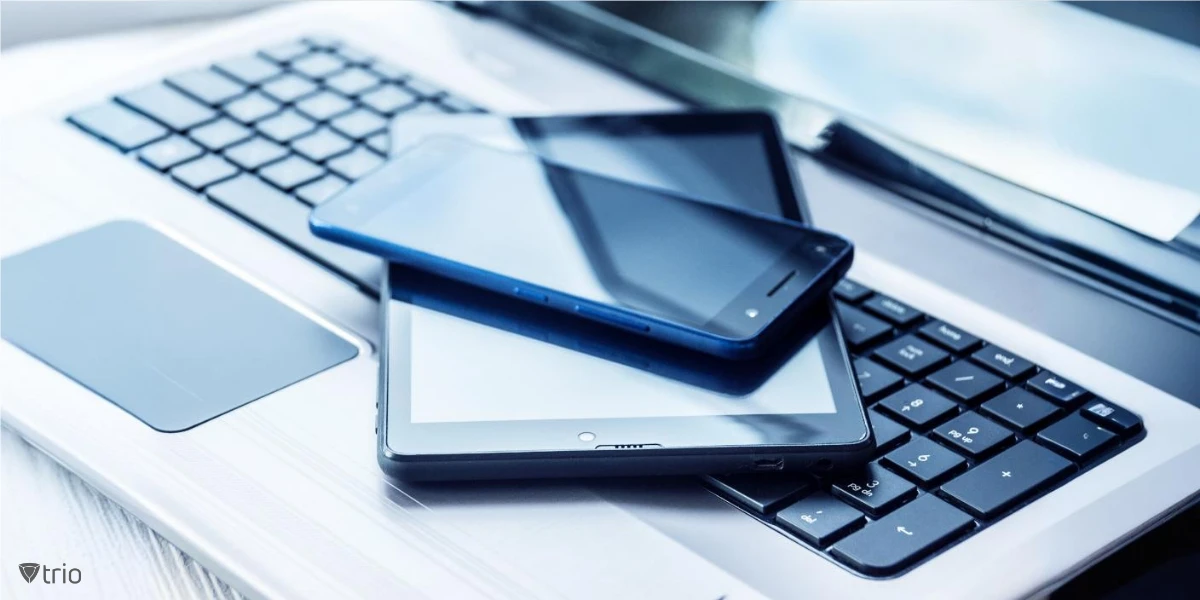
{"x": 29, "y": 571}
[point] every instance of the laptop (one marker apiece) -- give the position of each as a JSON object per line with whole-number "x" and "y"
{"x": 1068, "y": 427}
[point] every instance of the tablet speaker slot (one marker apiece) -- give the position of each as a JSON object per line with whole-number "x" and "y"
{"x": 627, "y": 446}
{"x": 782, "y": 282}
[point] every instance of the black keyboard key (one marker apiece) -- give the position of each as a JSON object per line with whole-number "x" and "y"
{"x": 258, "y": 202}
{"x": 203, "y": 172}
{"x": 318, "y": 65}
{"x": 1020, "y": 410}
{"x": 359, "y": 124}
{"x": 255, "y": 153}
{"x": 820, "y": 519}
{"x": 164, "y": 154}
{"x": 389, "y": 99}
{"x": 874, "y": 380}
{"x": 291, "y": 172}
{"x": 381, "y": 143}
{"x": 322, "y": 144}
{"x": 284, "y": 53}
{"x": 423, "y": 88}
{"x": 220, "y": 134}
{"x": 355, "y": 164}
{"x": 763, "y": 492}
{"x": 207, "y": 86}
{"x": 888, "y": 433}
{"x": 1013, "y": 475}
{"x": 285, "y": 126}
{"x": 900, "y": 539}
{"x": 324, "y": 105}
{"x": 252, "y": 107}
{"x": 250, "y": 70}
{"x": 917, "y": 406}
{"x": 860, "y": 329}
{"x": 1003, "y": 362}
{"x": 911, "y": 355}
{"x": 925, "y": 462}
{"x": 965, "y": 381}
{"x": 320, "y": 190}
{"x": 949, "y": 336}
{"x": 892, "y": 310}
{"x": 1057, "y": 389}
{"x": 289, "y": 88}
{"x": 167, "y": 106}
{"x": 118, "y": 126}
{"x": 850, "y": 291}
{"x": 353, "y": 81}
{"x": 1076, "y": 437}
{"x": 973, "y": 435}
{"x": 1111, "y": 416}
{"x": 873, "y": 489}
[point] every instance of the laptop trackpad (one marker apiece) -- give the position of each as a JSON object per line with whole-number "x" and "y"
{"x": 155, "y": 328}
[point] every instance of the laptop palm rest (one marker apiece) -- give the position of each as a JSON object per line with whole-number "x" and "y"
{"x": 155, "y": 328}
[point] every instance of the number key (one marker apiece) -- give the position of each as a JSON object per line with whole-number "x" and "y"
{"x": 874, "y": 490}
{"x": 973, "y": 435}
{"x": 874, "y": 380}
{"x": 925, "y": 462}
{"x": 917, "y": 406}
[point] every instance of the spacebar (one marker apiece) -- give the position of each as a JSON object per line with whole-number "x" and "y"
{"x": 286, "y": 218}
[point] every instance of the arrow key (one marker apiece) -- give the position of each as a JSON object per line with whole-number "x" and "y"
{"x": 903, "y": 537}
{"x": 925, "y": 462}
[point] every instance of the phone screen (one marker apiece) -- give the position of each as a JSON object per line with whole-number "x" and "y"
{"x": 631, "y": 247}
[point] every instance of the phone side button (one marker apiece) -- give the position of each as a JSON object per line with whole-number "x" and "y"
{"x": 530, "y": 295}
{"x": 611, "y": 317}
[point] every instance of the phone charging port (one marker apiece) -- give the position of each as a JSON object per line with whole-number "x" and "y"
{"x": 768, "y": 464}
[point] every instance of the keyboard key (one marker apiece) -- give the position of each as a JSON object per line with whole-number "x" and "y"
{"x": 850, "y": 291}
{"x": 353, "y": 81}
{"x": 888, "y": 433}
{"x": 900, "y": 539}
{"x": 1076, "y": 437}
{"x": 389, "y": 99}
{"x": 318, "y": 65}
{"x": 291, "y": 172}
{"x": 1003, "y": 362}
{"x": 874, "y": 380}
{"x": 1057, "y": 389}
{"x": 911, "y": 355}
{"x": 284, "y": 53}
{"x": 167, "y": 106}
{"x": 423, "y": 88}
{"x": 949, "y": 336}
{"x": 1112, "y": 417}
{"x": 255, "y": 153}
{"x": 322, "y": 144}
{"x": 763, "y": 492}
{"x": 917, "y": 406}
{"x": 289, "y": 88}
{"x": 966, "y": 382}
{"x": 355, "y": 164}
{"x": 324, "y": 105}
{"x": 252, "y": 107}
{"x": 1013, "y": 475}
{"x": 203, "y": 172}
{"x": 973, "y": 435}
{"x": 1019, "y": 409}
{"x": 873, "y": 490}
{"x": 925, "y": 462}
{"x": 860, "y": 329}
{"x": 207, "y": 86}
{"x": 321, "y": 190}
{"x": 285, "y": 126}
{"x": 455, "y": 104}
{"x": 389, "y": 71}
{"x": 220, "y": 134}
{"x": 250, "y": 70}
{"x": 359, "y": 124}
{"x": 893, "y": 311}
{"x": 287, "y": 218}
{"x": 118, "y": 126}
{"x": 380, "y": 142}
{"x": 164, "y": 154}
{"x": 820, "y": 519}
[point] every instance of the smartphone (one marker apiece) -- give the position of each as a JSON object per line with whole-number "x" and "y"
{"x": 693, "y": 273}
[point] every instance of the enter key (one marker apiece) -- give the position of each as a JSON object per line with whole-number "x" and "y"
{"x": 916, "y": 530}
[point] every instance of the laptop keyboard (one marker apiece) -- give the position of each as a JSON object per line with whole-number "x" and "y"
{"x": 966, "y": 431}
{"x": 269, "y": 135}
